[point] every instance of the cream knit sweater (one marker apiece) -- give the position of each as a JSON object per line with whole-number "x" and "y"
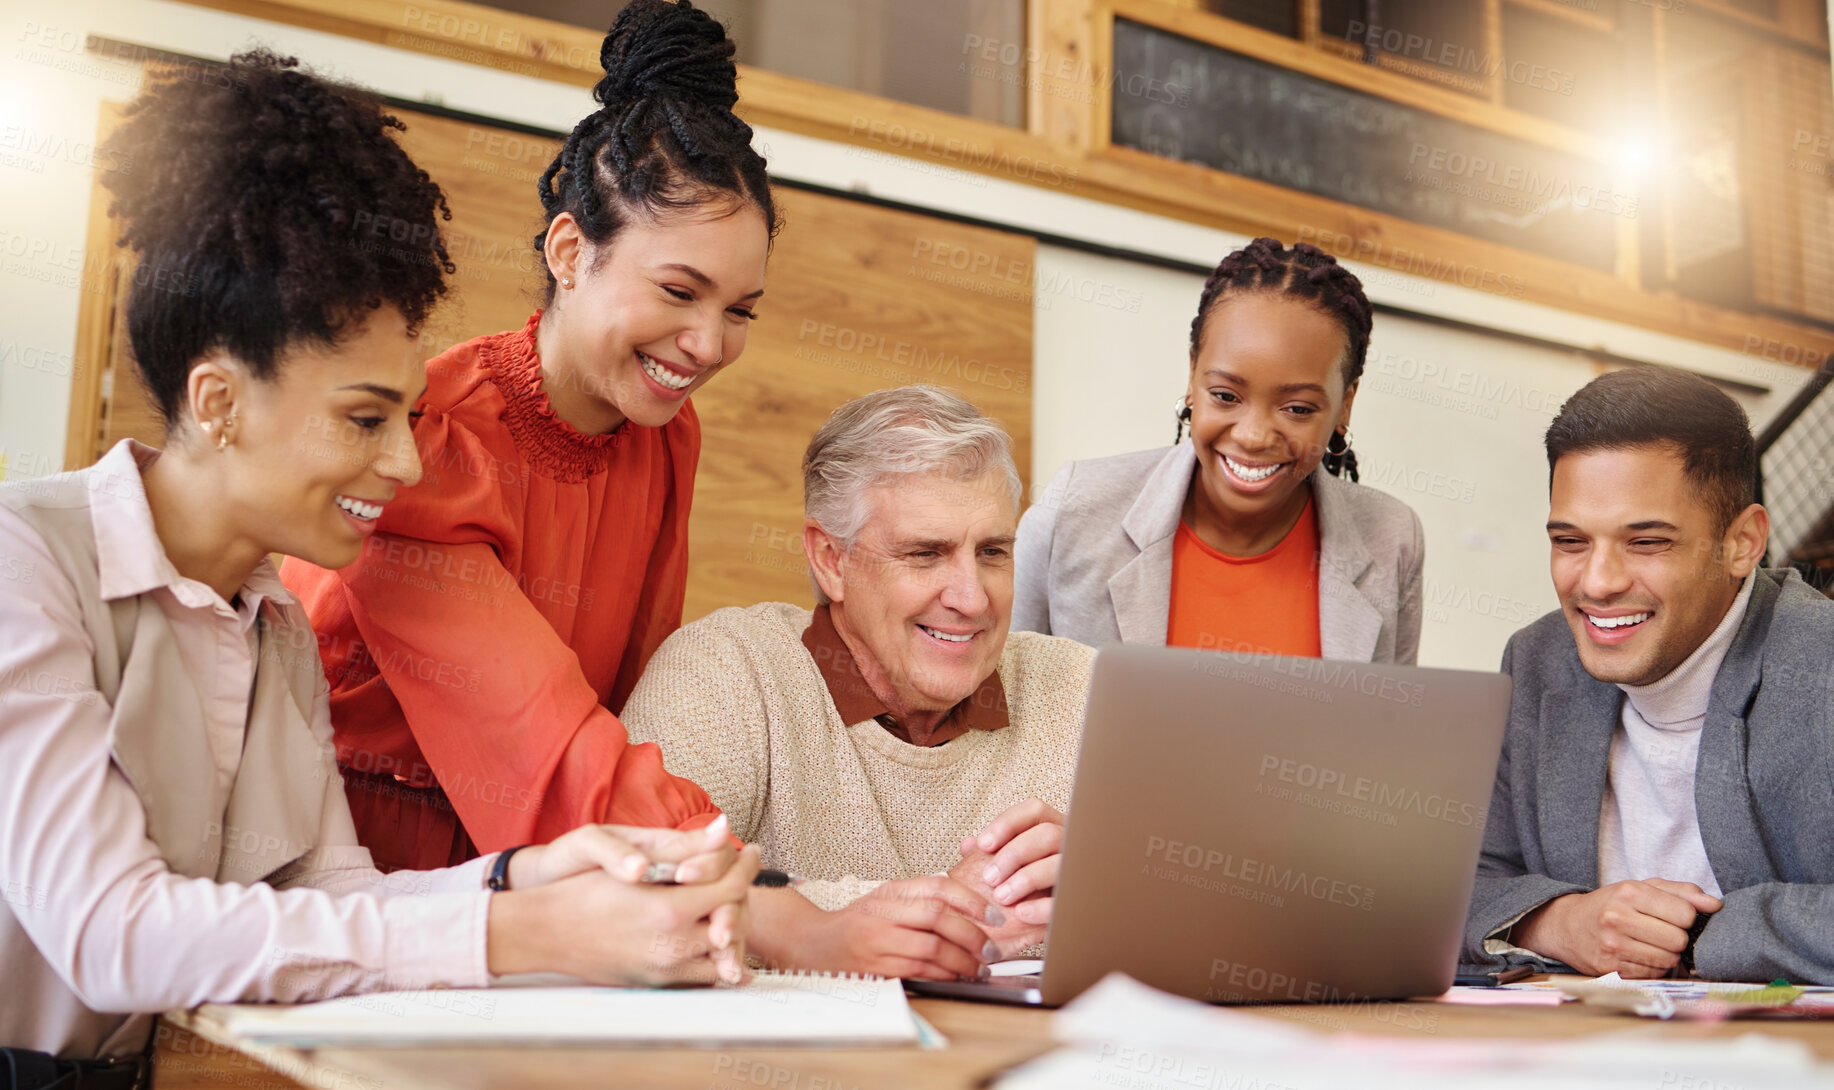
{"x": 738, "y": 706}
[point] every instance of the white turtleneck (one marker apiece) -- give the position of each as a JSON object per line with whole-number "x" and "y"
{"x": 1647, "y": 826}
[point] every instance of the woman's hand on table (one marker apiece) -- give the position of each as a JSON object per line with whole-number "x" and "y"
{"x": 608, "y": 930}
{"x": 625, "y": 852}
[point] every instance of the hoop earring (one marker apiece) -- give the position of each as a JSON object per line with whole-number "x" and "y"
{"x": 1339, "y": 459}
{"x": 1181, "y": 409}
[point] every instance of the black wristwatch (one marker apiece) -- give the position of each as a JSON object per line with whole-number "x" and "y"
{"x": 499, "y": 870}
{"x": 1687, "y": 952}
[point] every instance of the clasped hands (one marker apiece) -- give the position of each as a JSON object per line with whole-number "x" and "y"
{"x": 577, "y": 905}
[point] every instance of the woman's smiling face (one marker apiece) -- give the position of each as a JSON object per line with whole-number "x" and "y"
{"x": 321, "y": 447}
{"x": 653, "y": 315}
{"x": 1266, "y": 393}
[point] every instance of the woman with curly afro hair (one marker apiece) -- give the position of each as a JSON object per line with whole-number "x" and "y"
{"x": 1243, "y": 539}
{"x": 504, "y": 607}
{"x": 176, "y": 828}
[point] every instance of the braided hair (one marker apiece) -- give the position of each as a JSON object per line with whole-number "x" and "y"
{"x": 1303, "y": 272}
{"x": 664, "y": 136}
{"x": 269, "y": 208}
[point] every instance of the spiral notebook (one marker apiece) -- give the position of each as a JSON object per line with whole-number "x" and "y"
{"x": 775, "y": 1009}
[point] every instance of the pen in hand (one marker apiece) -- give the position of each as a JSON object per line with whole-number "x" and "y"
{"x": 663, "y": 874}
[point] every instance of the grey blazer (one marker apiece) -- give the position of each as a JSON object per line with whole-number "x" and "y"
{"x": 1094, "y": 558}
{"x": 1763, "y": 788}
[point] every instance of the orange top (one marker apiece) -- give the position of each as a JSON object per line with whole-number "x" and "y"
{"x": 502, "y": 606}
{"x": 1266, "y": 604}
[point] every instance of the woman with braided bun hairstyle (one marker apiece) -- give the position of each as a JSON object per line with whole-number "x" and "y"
{"x": 176, "y": 830}
{"x": 1243, "y": 538}
{"x": 505, "y": 606}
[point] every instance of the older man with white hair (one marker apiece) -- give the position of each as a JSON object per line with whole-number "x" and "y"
{"x": 897, "y": 746}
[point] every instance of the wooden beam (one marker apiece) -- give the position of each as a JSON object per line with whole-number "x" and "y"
{"x": 455, "y": 29}
{"x": 1491, "y": 13}
{"x": 1245, "y": 206}
{"x": 103, "y": 265}
{"x": 1101, "y": 46}
{"x": 1311, "y": 22}
{"x": 1063, "y": 72}
{"x": 1591, "y": 20}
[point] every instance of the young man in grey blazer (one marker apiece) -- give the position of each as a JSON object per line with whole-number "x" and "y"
{"x": 1667, "y": 776}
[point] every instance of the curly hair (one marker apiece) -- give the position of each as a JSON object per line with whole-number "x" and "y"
{"x": 1303, "y": 272}
{"x": 269, "y": 209}
{"x": 664, "y": 136}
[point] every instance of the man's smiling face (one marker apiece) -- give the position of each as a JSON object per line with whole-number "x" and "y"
{"x": 1643, "y": 570}
{"x": 925, "y": 595}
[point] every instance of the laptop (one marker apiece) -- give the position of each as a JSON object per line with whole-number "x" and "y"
{"x": 1265, "y": 829}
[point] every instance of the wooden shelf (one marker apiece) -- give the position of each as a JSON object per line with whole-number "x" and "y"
{"x": 1299, "y": 57}
{"x": 1579, "y": 17}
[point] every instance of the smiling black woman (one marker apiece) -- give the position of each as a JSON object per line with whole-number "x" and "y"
{"x": 1243, "y": 539}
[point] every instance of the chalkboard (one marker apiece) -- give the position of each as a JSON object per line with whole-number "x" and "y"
{"x": 1193, "y": 101}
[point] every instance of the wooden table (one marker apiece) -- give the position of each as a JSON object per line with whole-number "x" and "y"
{"x": 983, "y": 1039}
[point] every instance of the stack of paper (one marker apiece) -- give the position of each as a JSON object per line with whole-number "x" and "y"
{"x": 773, "y": 1010}
{"x": 1123, "y": 1034}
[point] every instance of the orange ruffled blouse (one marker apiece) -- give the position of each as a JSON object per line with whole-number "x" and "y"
{"x": 503, "y": 607}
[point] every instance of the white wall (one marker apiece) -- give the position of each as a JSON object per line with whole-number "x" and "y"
{"x": 1106, "y": 371}
{"x": 1110, "y": 333}
{"x": 1451, "y": 423}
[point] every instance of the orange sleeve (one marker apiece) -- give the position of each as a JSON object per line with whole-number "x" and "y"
{"x": 665, "y": 582}
{"x": 494, "y": 698}
{"x": 497, "y": 703}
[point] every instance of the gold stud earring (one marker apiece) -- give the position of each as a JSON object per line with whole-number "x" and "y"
{"x": 566, "y": 281}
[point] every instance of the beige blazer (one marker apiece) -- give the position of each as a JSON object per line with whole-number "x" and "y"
{"x": 1094, "y": 558}
{"x": 273, "y": 806}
